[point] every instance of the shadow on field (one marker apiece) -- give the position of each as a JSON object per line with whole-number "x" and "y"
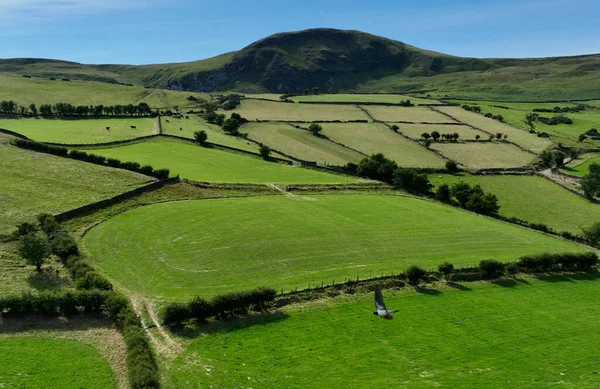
{"x": 233, "y": 324}
{"x": 24, "y": 324}
{"x": 568, "y": 277}
{"x": 457, "y": 286}
{"x": 47, "y": 279}
{"x": 429, "y": 291}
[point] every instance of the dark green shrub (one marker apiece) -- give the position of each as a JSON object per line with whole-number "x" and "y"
{"x": 451, "y": 167}
{"x": 113, "y": 162}
{"x": 93, "y": 280}
{"x": 512, "y": 268}
{"x": 26, "y": 228}
{"x": 115, "y": 304}
{"x": 446, "y": 269}
{"x": 63, "y": 245}
{"x": 147, "y": 170}
{"x": 79, "y": 155}
{"x": 414, "y": 275}
{"x": 491, "y": 269}
{"x": 200, "y": 309}
{"x": 161, "y": 174}
{"x": 48, "y": 223}
{"x": 175, "y": 314}
{"x": 97, "y": 159}
{"x": 443, "y": 194}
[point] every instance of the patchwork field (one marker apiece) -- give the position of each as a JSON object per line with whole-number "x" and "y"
{"x": 39, "y": 183}
{"x": 80, "y": 131}
{"x": 406, "y": 114}
{"x": 266, "y": 110}
{"x": 567, "y": 134}
{"x": 470, "y": 337}
{"x": 25, "y": 91}
{"x": 188, "y": 248}
{"x": 300, "y": 143}
{"x": 533, "y": 199}
{"x": 414, "y": 131}
{"x": 364, "y": 98}
{"x": 372, "y": 138}
{"x": 204, "y": 164}
{"x": 35, "y": 362}
{"x": 521, "y": 137}
{"x": 485, "y": 155}
{"x": 186, "y": 128}
{"x": 580, "y": 166}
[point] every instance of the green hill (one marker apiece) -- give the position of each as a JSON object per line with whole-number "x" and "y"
{"x": 345, "y": 61}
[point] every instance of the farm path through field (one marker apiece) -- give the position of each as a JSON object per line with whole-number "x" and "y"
{"x": 289, "y": 194}
{"x": 160, "y": 338}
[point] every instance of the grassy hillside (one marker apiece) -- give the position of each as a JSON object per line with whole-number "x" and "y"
{"x": 80, "y": 131}
{"x": 204, "y": 164}
{"x": 36, "y": 362}
{"x": 364, "y": 98}
{"x": 190, "y": 247}
{"x": 473, "y": 336}
{"x": 45, "y": 183}
{"x": 580, "y": 166}
{"x": 266, "y": 110}
{"x": 485, "y": 155}
{"x": 534, "y": 199}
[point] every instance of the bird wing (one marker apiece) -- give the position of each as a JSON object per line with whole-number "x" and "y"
{"x": 379, "y": 304}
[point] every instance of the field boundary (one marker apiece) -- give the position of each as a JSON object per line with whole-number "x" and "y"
{"x": 15, "y": 134}
{"x": 93, "y": 207}
{"x": 329, "y": 139}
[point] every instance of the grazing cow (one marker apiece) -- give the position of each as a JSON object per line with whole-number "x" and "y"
{"x": 133, "y": 127}
{"x": 107, "y": 128}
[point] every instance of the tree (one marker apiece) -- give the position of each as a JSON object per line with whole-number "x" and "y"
{"x": 411, "y": 181}
{"x": 265, "y": 152}
{"x": 33, "y": 109}
{"x": 461, "y": 191}
{"x": 395, "y": 128}
{"x": 231, "y": 126}
{"x": 35, "y": 249}
{"x": 477, "y": 137}
{"x": 530, "y": 119}
{"x": 451, "y": 166}
{"x": 455, "y": 136}
{"x": 582, "y": 137}
{"x": 435, "y": 135}
{"x": 546, "y": 158}
{"x": 414, "y": 275}
{"x": 377, "y": 167}
{"x": 491, "y": 268}
{"x": 427, "y": 143}
{"x": 559, "y": 159}
{"x": 505, "y": 136}
{"x": 592, "y": 234}
{"x": 443, "y": 193}
{"x": 446, "y": 269}
{"x": 590, "y": 183}
{"x": 425, "y": 135}
{"x": 491, "y": 137}
{"x": 482, "y": 203}
{"x": 315, "y": 129}
{"x": 201, "y": 136}
{"x": 498, "y": 135}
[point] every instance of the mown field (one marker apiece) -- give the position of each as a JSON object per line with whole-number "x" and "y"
{"x": 215, "y": 246}
{"x": 364, "y": 98}
{"x": 301, "y": 143}
{"x": 266, "y": 110}
{"x": 80, "y": 131}
{"x": 567, "y": 134}
{"x": 36, "y": 362}
{"x": 415, "y": 131}
{"x": 25, "y": 91}
{"x": 485, "y": 155}
{"x": 37, "y": 183}
{"x": 205, "y": 164}
{"x": 406, "y": 114}
{"x": 580, "y": 166}
{"x": 533, "y": 199}
{"x": 186, "y": 128}
{"x": 519, "y": 136}
{"x": 372, "y": 138}
{"x": 521, "y": 333}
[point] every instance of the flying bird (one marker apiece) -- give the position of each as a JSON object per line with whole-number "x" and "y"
{"x": 380, "y": 308}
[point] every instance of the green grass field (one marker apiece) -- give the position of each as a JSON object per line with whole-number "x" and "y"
{"x": 567, "y": 134}
{"x": 532, "y": 198}
{"x": 406, "y": 114}
{"x": 364, "y": 98}
{"x": 371, "y": 138}
{"x": 39, "y": 91}
{"x": 485, "y": 155}
{"x": 80, "y": 131}
{"x": 213, "y": 246}
{"x": 523, "y": 333}
{"x": 37, "y": 183}
{"x": 580, "y": 166}
{"x": 519, "y": 136}
{"x": 266, "y": 110}
{"x": 300, "y": 143}
{"x": 204, "y": 164}
{"x": 35, "y": 362}
{"x": 186, "y": 128}
{"x": 414, "y": 131}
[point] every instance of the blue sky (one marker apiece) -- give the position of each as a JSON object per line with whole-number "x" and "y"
{"x": 153, "y": 31}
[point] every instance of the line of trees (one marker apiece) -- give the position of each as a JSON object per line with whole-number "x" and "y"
{"x": 472, "y": 198}
{"x": 148, "y": 170}
{"x": 9, "y": 107}
{"x": 220, "y": 307}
